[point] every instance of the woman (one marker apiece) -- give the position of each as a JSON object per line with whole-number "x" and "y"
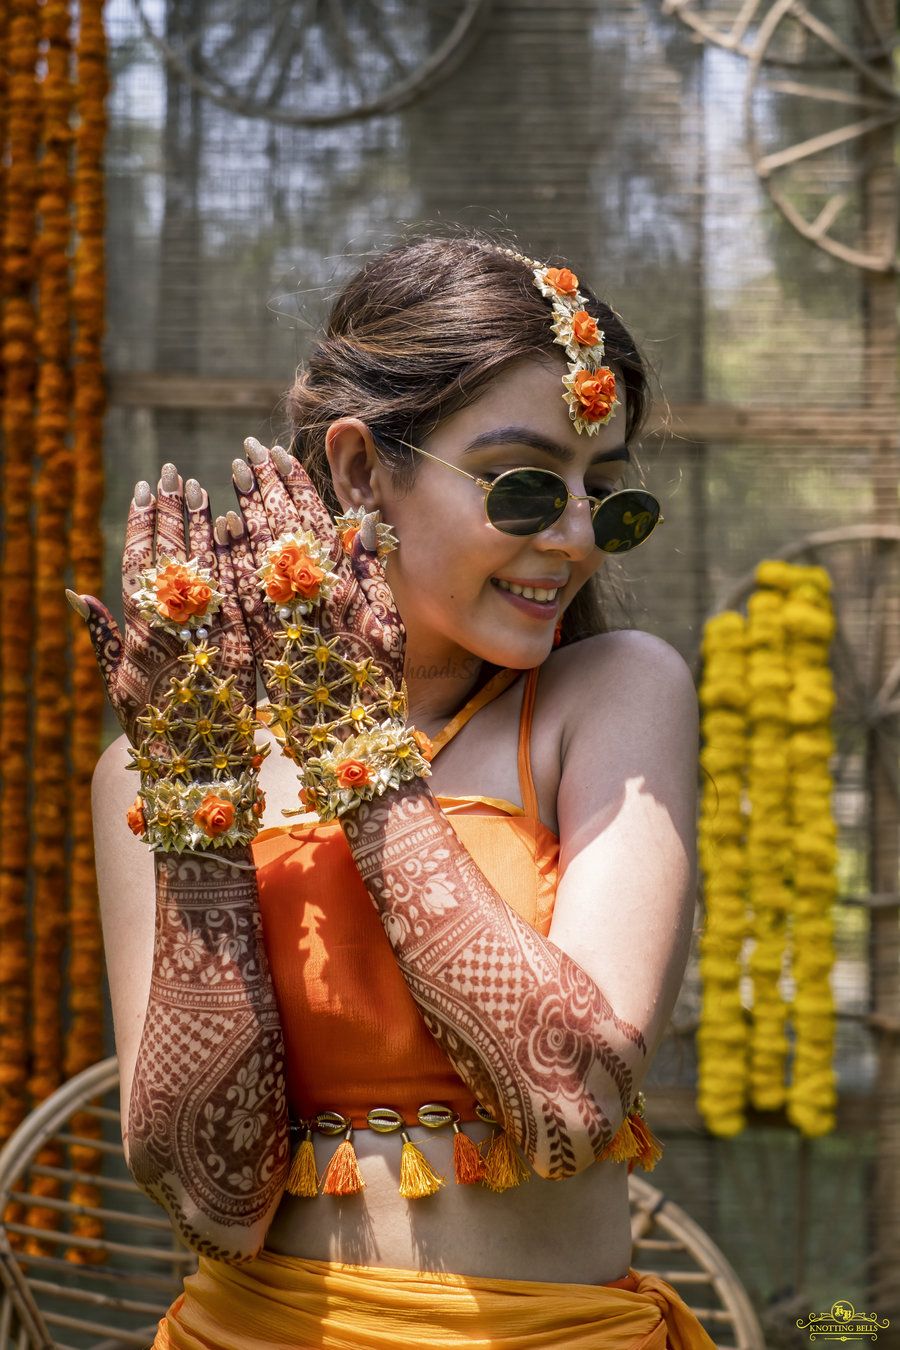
{"x": 459, "y": 959}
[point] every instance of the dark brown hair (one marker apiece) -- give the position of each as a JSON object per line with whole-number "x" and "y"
{"x": 417, "y": 333}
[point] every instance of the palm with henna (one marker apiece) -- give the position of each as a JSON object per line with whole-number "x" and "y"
{"x": 324, "y": 628}
{"x": 139, "y": 667}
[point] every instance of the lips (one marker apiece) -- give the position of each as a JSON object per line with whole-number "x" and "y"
{"x": 546, "y": 610}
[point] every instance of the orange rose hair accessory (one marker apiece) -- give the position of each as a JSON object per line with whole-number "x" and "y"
{"x": 590, "y": 385}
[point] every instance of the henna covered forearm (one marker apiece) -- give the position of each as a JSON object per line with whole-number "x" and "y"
{"x": 207, "y": 1120}
{"x": 526, "y": 1028}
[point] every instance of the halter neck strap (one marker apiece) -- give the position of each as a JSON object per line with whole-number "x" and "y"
{"x": 494, "y": 687}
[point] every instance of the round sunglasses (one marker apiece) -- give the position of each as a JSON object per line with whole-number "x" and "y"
{"x": 525, "y": 501}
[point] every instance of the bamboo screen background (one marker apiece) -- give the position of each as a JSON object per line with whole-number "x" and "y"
{"x": 609, "y": 136}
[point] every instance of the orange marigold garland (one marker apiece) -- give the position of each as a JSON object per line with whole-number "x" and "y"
{"x": 84, "y": 1043}
{"x": 52, "y": 491}
{"x": 16, "y": 605}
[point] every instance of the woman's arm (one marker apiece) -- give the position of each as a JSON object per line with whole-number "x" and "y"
{"x": 555, "y": 1034}
{"x": 197, "y": 1030}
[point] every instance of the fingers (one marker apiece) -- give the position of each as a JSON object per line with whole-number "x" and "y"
{"x": 368, "y": 569}
{"x": 233, "y": 636}
{"x": 311, "y": 511}
{"x": 238, "y": 569}
{"x": 138, "y": 551}
{"x": 170, "y": 515}
{"x": 280, "y": 510}
{"x": 104, "y": 634}
{"x": 201, "y": 544}
{"x": 253, "y": 508}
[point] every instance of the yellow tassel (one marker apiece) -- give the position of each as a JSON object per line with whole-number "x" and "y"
{"x": 303, "y": 1179}
{"x": 468, "y": 1160}
{"x": 623, "y": 1144}
{"x": 649, "y": 1149}
{"x": 417, "y": 1176}
{"x": 342, "y": 1176}
{"x": 503, "y": 1166}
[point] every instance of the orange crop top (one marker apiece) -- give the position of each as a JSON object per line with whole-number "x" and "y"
{"x": 355, "y": 1040}
{"x": 354, "y": 1036}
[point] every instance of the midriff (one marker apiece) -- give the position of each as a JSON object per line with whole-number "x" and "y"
{"x": 576, "y": 1231}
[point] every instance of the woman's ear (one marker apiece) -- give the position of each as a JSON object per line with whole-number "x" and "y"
{"x": 354, "y": 465}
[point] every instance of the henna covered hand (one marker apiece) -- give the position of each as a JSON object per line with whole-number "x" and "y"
{"x": 325, "y": 631}
{"x": 139, "y": 666}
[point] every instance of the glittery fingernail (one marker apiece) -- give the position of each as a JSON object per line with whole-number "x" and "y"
{"x": 256, "y": 451}
{"x": 243, "y": 474}
{"x": 283, "y": 461}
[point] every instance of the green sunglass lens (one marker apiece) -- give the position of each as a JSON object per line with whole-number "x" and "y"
{"x": 625, "y": 520}
{"x": 525, "y": 501}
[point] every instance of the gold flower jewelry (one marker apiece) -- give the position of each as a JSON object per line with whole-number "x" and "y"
{"x": 340, "y": 718}
{"x": 198, "y": 762}
{"x": 590, "y": 385}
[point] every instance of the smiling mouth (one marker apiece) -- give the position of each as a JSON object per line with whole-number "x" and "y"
{"x": 541, "y": 594}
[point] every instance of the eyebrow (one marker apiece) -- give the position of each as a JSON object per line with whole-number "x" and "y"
{"x": 525, "y": 436}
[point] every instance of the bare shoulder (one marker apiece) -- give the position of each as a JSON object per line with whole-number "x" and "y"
{"x": 621, "y": 675}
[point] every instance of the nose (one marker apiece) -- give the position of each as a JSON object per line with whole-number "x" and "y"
{"x": 572, "y": 534}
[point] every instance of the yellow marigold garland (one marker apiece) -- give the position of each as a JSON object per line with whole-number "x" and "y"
{"x": 52, "y": 492}
{"x": 16, "y": 596}
{"x": 722, "y": 1039}
{"x": 84, "y": 1043}
{"x": 809, "y": 621}
{"x": 768, "y": 834}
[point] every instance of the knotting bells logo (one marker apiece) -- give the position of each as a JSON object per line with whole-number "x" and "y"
{"x": 843, "y": 1323}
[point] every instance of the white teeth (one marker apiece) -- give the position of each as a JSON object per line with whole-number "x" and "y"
{"x": 530, "y": 592}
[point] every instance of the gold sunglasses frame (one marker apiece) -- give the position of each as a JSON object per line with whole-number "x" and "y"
{"x": 596, "y": 502}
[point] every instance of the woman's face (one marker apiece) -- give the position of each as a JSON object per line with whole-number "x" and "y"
{"x": 451, "y": 573}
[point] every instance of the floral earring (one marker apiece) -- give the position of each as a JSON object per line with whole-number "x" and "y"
{"x": 348, "y": 527}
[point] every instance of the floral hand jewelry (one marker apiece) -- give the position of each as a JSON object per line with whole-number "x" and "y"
{"x": 198, "y": 762}
{"x": 590, "y": 385}
{"x": 194, "y": 748}
{"x": 316, "y": 598}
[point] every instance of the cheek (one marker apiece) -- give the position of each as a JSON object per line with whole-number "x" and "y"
{"x": 446, "y": 544}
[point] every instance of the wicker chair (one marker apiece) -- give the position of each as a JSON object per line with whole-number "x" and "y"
{"x": 109, "y": 1292}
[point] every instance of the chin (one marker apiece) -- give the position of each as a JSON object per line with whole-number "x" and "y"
{"x": 517, "y": 653}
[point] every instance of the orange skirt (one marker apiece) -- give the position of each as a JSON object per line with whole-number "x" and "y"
{"x": 287, "y": 1303}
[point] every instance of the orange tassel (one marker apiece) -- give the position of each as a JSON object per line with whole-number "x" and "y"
{"x": 303, "y": 1179}
{"x": 417, "y": 1177}
{"x": 623, "y": 1144}
{"x": 649, "y": 1149}
{"x": 468, "y": 1160}
{"x": 342, "y": 1176}
{"x": 503, "y": 1166}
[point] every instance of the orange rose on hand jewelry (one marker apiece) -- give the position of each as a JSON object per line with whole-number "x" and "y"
{"x": 198, "y": 762}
